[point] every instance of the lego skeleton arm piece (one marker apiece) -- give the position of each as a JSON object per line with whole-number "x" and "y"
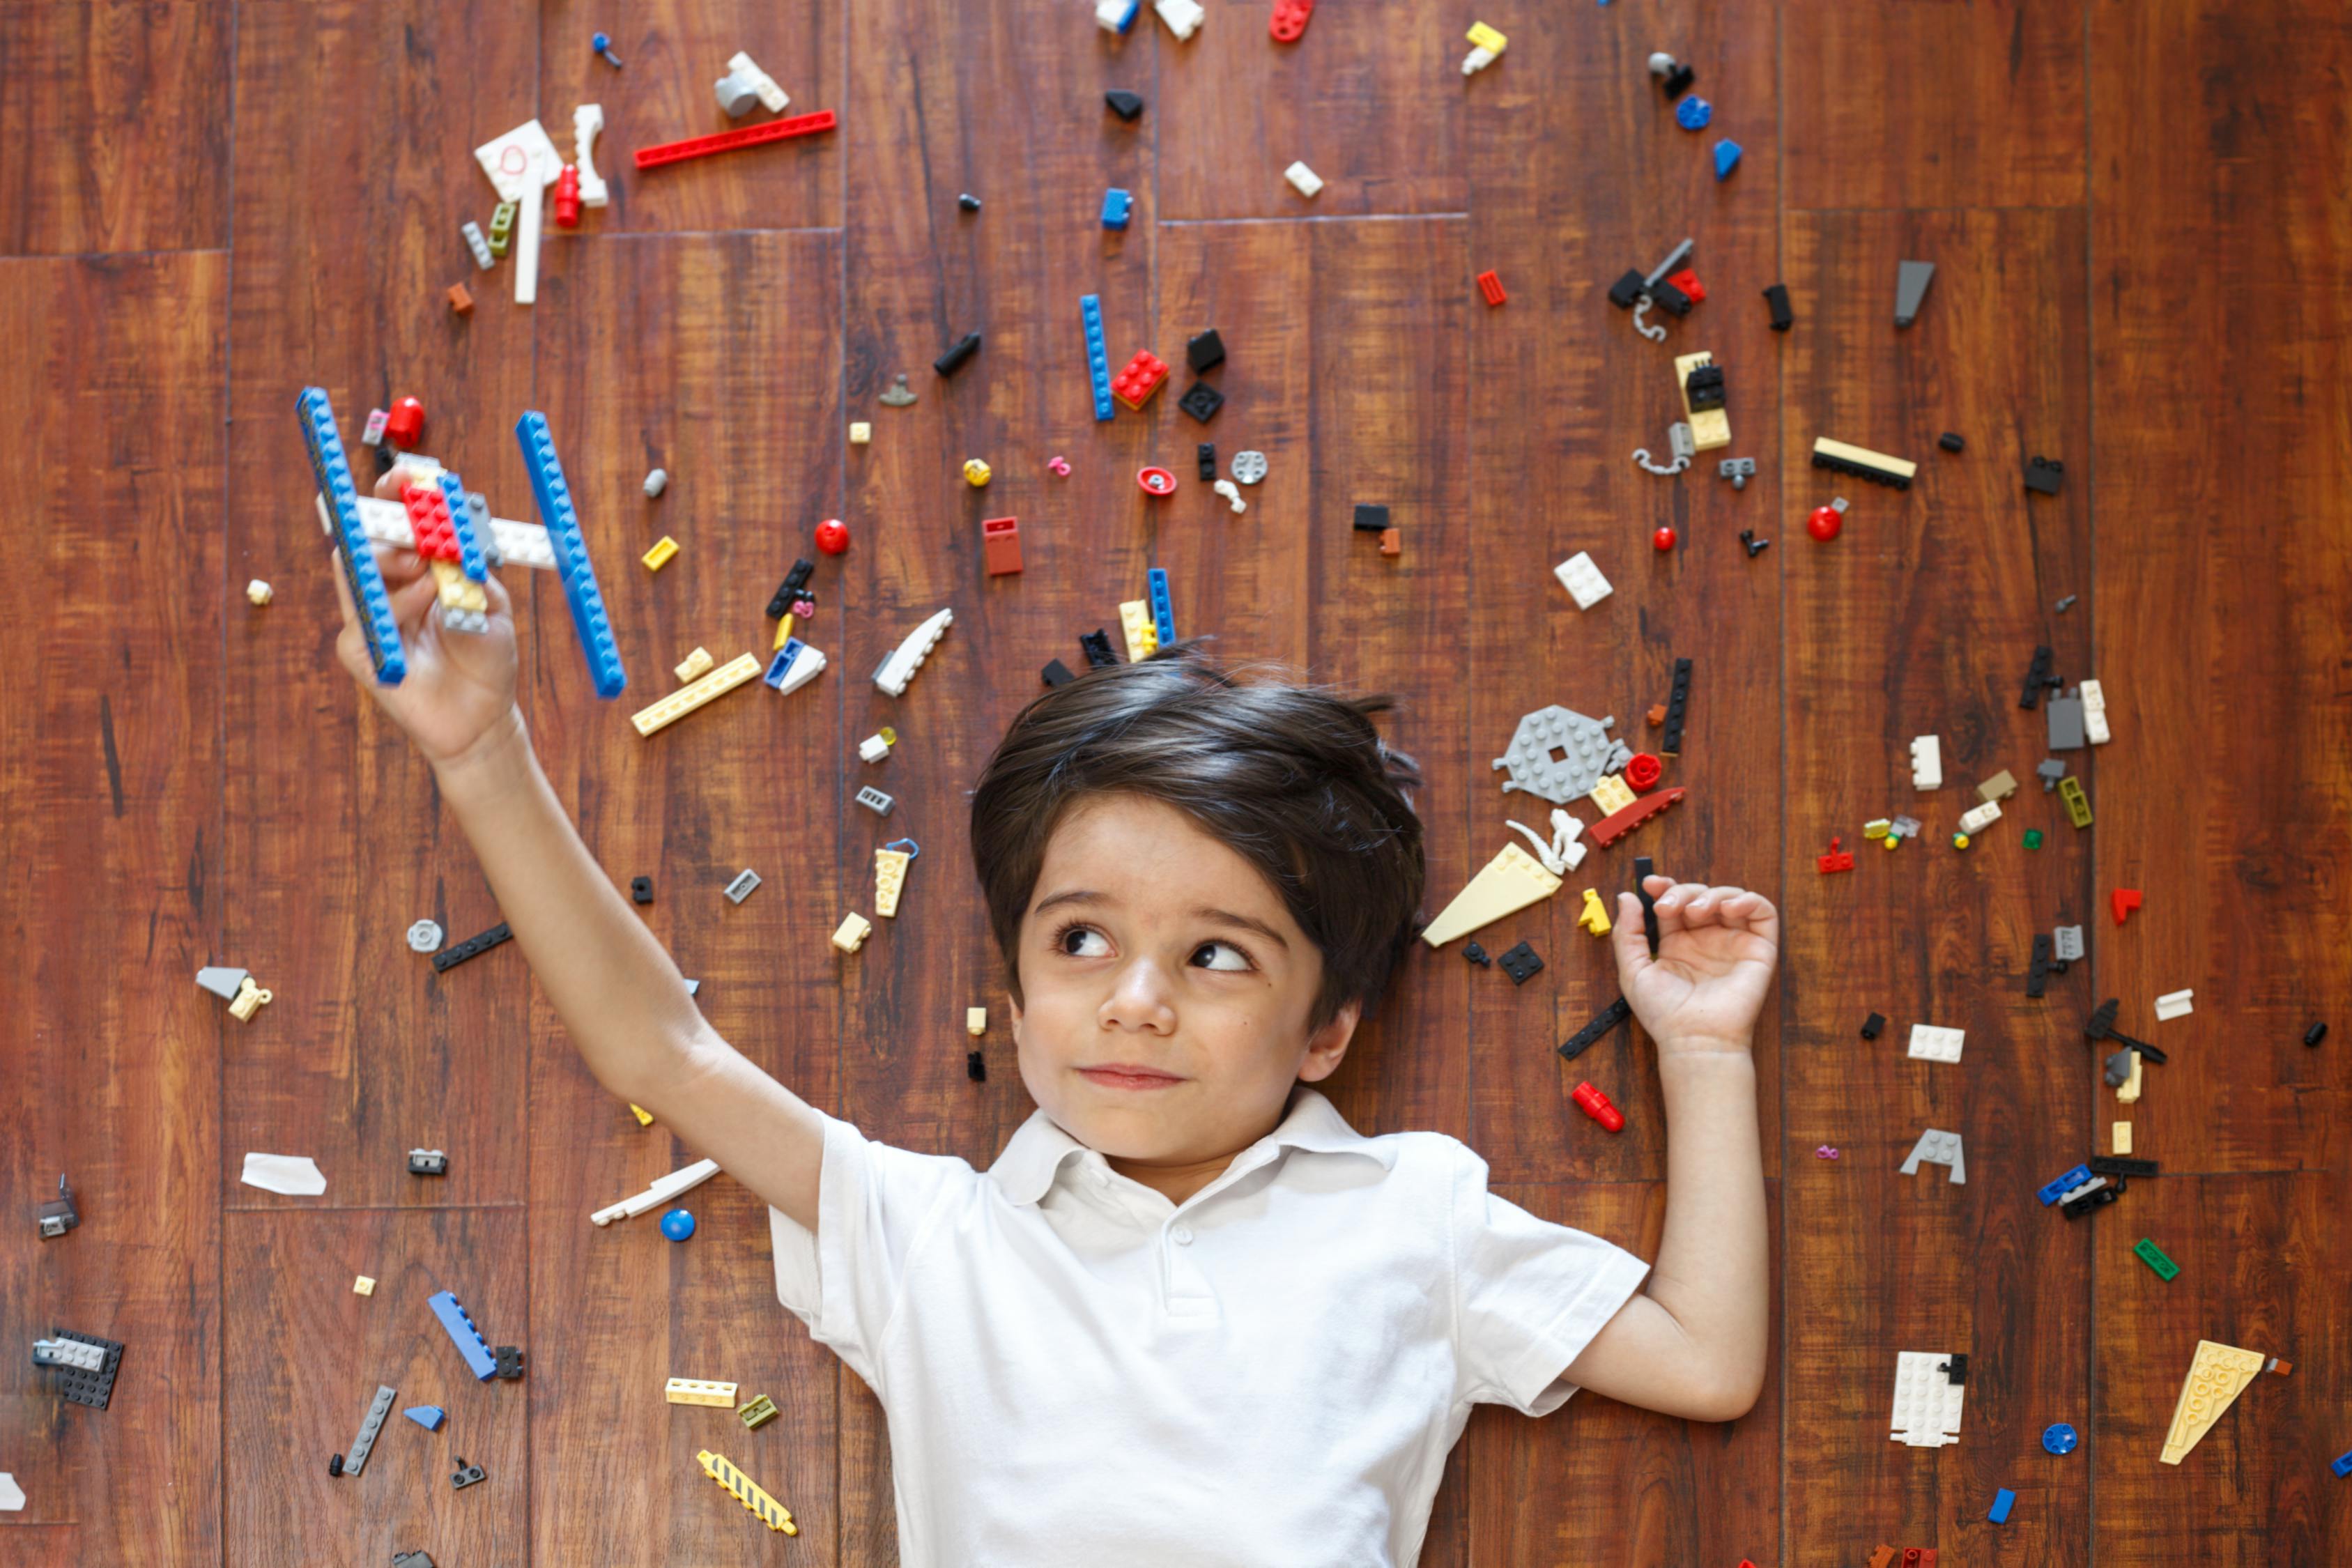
{"x": 1563, "y": 854}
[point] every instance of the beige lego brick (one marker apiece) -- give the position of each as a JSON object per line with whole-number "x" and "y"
{"x": 851, "y": 933}
{"x": 1611, "y": 794}
{"x": 1511, "y": 881}
{"x": 890, "y": 879}
{"x": 2216, "y": 1375}
{"x": 696, "y": 665}
{"x": 250, "y": 998}
{"x": 2119, "y": 1138}
{"x": 975, "y": 1021}
{"x": 458, "y": 592}
{"x": 363, "y": 1286}
{"x": 2001, "y": 786}
{"x": 2128, "y": 1092}
{"x": 1710, "y": 428}
{"x": 696, "y": 1391}
{"x": 1142, "y": 632}
{"x": 687, "y": 699}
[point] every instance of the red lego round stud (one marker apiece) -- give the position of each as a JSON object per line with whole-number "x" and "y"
{"x": 833, "y": 536}
{"x": 1644, "y": 772}
{"x": 1825, "y": 521}
{"x": 1157, "y": 482}
{"x": 1664, "y": 540}
{"x": 405, "y": 426}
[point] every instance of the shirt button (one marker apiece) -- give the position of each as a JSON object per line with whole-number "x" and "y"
{"x": 1184, "y": 1236}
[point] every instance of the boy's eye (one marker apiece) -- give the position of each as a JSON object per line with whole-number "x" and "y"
{"x": 1232, "y": 958}
{"x": 1076, "y": 940}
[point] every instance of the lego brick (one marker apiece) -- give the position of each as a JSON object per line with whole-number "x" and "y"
{"x": 461, "y": 301}
{"x": 1097, "y": 353}
{"x": 507, "y": 1361}
{"x": 466, "y": 1475}
{"x": 1585, "y": 752}
{"x": 508, "y": 160}
{"x": 746, "y": 84}
{"x": 477, "y": 244}
{"x": 696, "y": 1391}
{"x": 1610, "y": 796}
{"x": 794, "y": 666}
{"x": 1204, "y": 351}
{"x": 463, "y": 1335}
{"x": 1486, "y": 46}
{"x": 900, "y": 668}
{"x": 370, "y": 1424}
{"x": 1927, "y": 762}
{"x": 1936, "y": 1147}
{"x": 1139, "y": 378}
{"x": 1976, "y": 819}
{"x": 2002, "y": 1501}
{"x": 1582, "y": 579}
{"x": 429, "y": 1416}
{"x": 1303, "y": 180}
{"x": 851, "y": 934}
{"x": 1872, "y": 1026}
{"x": 2001, "y": 786}
{"x": 1610, "y": 829}
{"x": 427, "y": 1162}
{"x": 1596, "y": 1030}
{"x": 2065, "y": 717}
{"x": 2066, "y": 943}
{"x": 472, "y": 947}
{"x": 1862, "y": 463}
{"x": 1370, "y": 516}
{"x": 1163, "y": 609}
{"x": 763, "y": 1507}
{"x": 1950, "y": 441}
{"x": 1926, "y": 1400}
{"x": 695, "y": 665}
{"x": 687, "y": 699}
{"x": 975, "y": 1021}
{"x": 1135, "y": 621}
{"x": 956, "y": 355}
{"x": 2315, "y": 1034}
{"x": 760, "y": 135}
{"x": 1056, "y": 673}
{"x": 1678, "y": 710}
{"x": 2077, "y": 803}
{"x": 1911, "y": 280}
{"x": 740, "y": 887}
{"x": 1000, "y": 545}
{"x": 1596, "y": 1105}
{"x": 1289, "y": 23}
{"x": 1701, "y": 381}
{"x": 890, "y": 879}
{"x": 2147, "y": 1252}
{"x": 338, "y": 496}
{"x": 2037, "y": 678}
{"x": 659, "y": 555}
{"x": 1117, "y": 208}
{"x": 87, "y": 1366}
{"x": 1521, "y": 963}
{"x": 2044, "y": 475}
{"x": 1490, "y": 288}
{"x": 1932, "y": 1043}
{"x": 2218, "y": 1374}
{"x": 587, "y": 122}
{"x": 1201, "y": 401}
{"x": 1095, "y": 645}
{"x": 2174, "y": 1004}
{"x": 2051, "y": 1191}
{"x": 2094, "y": 712}
{"x": 1204, "y": 456}
{"x": 757, "y": 1413}
{"x": 1776, "y": 300}
{"x": 553, "y": 497}
{"x": 2037, "y": 974}
{"x": 57, "y": 1215}
{"x": 1508, "y": 883}
{"x": 2342, "y": 1464}
{"x": 1127, "y": 106}
{"x": 2122, "y": 901}
{"x": 874, "y": 800}
{"x": 1837, "y": 860}
{"x": 2050, "y": 769}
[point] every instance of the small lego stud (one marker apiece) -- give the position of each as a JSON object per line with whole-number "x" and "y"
{"x": 1662, "y": 541}
{"x": 2059, "y": 1438}
{"x": 832, "y": 536}
{"x": 461, "y": 303}
{"x": 404, "y": 425}
{"x": 641, "y": 890}
{"x": 677, "y": 1225}
{"x": 975, "y": 1067}
{"x": 1596, "y": 1105}
{"x": 975, "y": 1021}
{"x": 1726, "y": 156}
{"x": 975, "y": 473}
{"x": 956, "y": 354}
{"x": 1826, "y": 521}
{"x": 2002, "y": 1500}
{"x": 567, "y": 197}
{"x": 1303, "y": 180}
{"x": 1490, "y": 287}
{"x": 258, "y": 592}
{"x": 851, "y": 934}
{"x": 1117, "y": 207}
{"x": 1755, "y": 546}
{"x": 659, "y": 555}
{"x": 2314, "y": 1035}
{"x": 1127, "y": 106}
{"x": 603, "y": 45}
{"x": 860, "y": 433}
{"x": 698, "y": 664}
{"x": 1950, "y": 441}
{"x": 967, "y": 201}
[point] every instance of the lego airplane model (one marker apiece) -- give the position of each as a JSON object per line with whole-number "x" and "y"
{"x": 437, "y": 519}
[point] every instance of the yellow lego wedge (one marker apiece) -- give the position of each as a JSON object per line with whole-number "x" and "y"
{"x": 1710, "y": 428}
{"x": 2216, "y": 1377}
{"x": 687, "y": 699}
{"x": 1142, "y": 632}
{"x": 890, "y": 878}
{"x": 696, "y": 1391}
{"x": 1511, "y": 881}
{"x": 771, "y": 1512}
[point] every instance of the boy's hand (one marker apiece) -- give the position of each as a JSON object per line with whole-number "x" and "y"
{"x": 1717, "y": 951}
{"x": 460, "y": 686}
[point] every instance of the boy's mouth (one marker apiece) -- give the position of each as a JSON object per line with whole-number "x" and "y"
{"x": 1128, "y": 1075}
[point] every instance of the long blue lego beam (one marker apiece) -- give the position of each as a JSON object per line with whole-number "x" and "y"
{"x": 1097, "y": 355}
{"x": 462, "y": 1332}
{"x": 334, "y": 469}
{"x": 563, "y": 521}
{"x": 1163, "y": 610}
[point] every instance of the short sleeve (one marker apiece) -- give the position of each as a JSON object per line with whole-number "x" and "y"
{"x": 875, "y": 1203}
{"x": 1530, "y": 1295}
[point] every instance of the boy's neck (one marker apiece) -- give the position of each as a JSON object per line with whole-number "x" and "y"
{"x": 1178, "y": 1183}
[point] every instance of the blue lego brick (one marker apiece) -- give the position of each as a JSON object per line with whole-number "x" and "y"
{"x": 333, "y": 471}
{"x": 2343, "y": 1465}
{"x": 1097, "y": 353}
{"x": 562, "y": 521}
{"x": 1134, "y": 7}
{"x": 470, "y": 559}
{"x": 428, "y": 1416}
{"x": 1117, "y": 206}
{"x": 2065, "y": 1184}
{"x": 1726, "y": 158}
{"x": 1163, "y": 613}
{"x": 463, "y": 1335}
{"x": 2001, "y": 1503}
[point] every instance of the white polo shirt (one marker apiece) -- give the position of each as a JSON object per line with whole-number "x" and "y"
{"x": 1077, "y": 1372}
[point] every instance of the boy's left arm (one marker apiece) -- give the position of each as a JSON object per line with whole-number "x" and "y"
{"x": 1693, "y": 1342}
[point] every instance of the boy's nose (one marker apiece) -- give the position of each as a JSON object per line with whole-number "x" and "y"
{"x": 1139, "y": 999}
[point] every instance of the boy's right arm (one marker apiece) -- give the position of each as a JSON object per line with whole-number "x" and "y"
{"x": 617, "y": 990}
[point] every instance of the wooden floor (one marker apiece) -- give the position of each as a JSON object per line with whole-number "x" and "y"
{"x": 2136, "y": 212}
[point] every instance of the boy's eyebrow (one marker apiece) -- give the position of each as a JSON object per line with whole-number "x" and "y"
{"x": 1199, "y": 911}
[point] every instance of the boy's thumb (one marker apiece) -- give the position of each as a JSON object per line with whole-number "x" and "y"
{"x": 1626, "y": 934}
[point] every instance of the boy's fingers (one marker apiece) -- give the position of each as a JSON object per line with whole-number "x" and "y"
{"x": 1625, "y": 934}
{"x": 1674, "y": 901}
{"x": 411, "y": 601}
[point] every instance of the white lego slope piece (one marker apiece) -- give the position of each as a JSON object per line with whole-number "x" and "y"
{"x": 1183, "y": 16}
{"x": 900, "y": 666}
{"x": 1927, "y": 1401}
{"x": 2174, "y": 1004}
{"x": 1582, "y": 580}
{"x": 684, "y": 1179}
{"x": 586, "y": 122}
{"x": 1511, "y": 881}
{"x": 807, "y": 666}
{"x": 1927, "y": 762}
{"x": 506, "y": 158}
{"x": 1931, "y": 1044}
{"x": 1115, "y": 16}
{"x": 1937, "y": 1147}
{"x": 528, "y": 225}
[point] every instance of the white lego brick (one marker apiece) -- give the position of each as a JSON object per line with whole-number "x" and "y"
{"x": 1927, "y": 1401}
{"x": 2174, "y": 1005}
{"x": 586, "y": 122}
{"x": 2094, "y": 728}
{"x": 386, "y": 522}
{"x": 1975, "y": 821}
{"x": 529, "y": 224}
{"x": 1927, "y": 762}
{"x": 1582, "y": 580}
{"x": 1932, "y": 1043}
{"x": 1936, "y": 1147}
{"x": 874, "y": 748}
{"x": 772, "y": 97}
{"x": 1113, "y": 16}
{"x": 2093, "y": 696}
{"x": 1303, "y": 179}
{"x": 1183, "y": 16}
{"x": 506, "y": 158}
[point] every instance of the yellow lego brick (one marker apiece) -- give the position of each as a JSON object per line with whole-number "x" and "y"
{"x": 851, "y": 933}
{"x": 757, "y": 1413}
{"x": 458, "y": 592}
{"x": 771, "y": 1512}
{"x": 1511, "y": 881}
{"x": 2119, "y": 1138}
{"x": 784, "y": 634}
{"x": 363, "y": 1286}
{"x": 1611, "y": 794}
{"x": 695, "y": 664}
{"x": 1484, "y": 37}
{"x": 1710, "y": 428}
{"x": 1877, "y": 828}
{"x": 1595, "y": 917}
{"x": 2216, "y": 1375}
{"x": 890, "y": 879}
{"x": 975, "y": 1021}
{"x": 2128, "y": 1092}
{"x": 250, "y": 999}
{"x": 698, "y": 1391}
{"x": 687, "y": 699}
{"x": 658, "y": 556}
{"x": 645, "y": 1118}
{"x": 1142, "y": 631}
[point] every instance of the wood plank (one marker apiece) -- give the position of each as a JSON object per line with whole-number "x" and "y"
{"x": 1372, "y": 99}
{"x": 672, "y": 51}
{"x": 1921, "y": 616}
{"x": 1916, "y": 104}
{"x": 110, "y": 771}
{"x": 118, "y": 110}
{"x": 715, "y": 357}
{"x": 366, "y": 1052}
{"x": 305, "y": 1354}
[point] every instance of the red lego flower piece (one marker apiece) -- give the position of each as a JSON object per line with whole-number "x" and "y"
{"x": 1643, "y": 773}
{"x": 1144, "y": 375}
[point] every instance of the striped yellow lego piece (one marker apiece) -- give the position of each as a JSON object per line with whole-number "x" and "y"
{"x": 687, "y": 699}
{"x": 771, "y": 1512}
{"x": 1142, "y": 631}
{"x": 890, "y": 879}
{"x": 696, "y": 1391}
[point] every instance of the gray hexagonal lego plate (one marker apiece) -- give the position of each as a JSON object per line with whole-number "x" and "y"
{"x": 1558, "y": 754}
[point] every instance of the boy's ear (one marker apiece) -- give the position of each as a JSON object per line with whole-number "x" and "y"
{"x": 1327, "y": 1046}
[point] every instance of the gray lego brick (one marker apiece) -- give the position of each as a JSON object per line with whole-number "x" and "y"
{"x": 1558, "y": 754}
{"x": 2065, "y": 723}
{"x": 370, "y": 1424}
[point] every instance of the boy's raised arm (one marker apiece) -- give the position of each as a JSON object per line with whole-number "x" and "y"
{"x": 617, "y": 990}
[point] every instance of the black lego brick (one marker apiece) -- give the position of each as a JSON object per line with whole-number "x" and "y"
{"x": 1204, "y": 350}
{"x": 472, "y": 947}
{"x": 1201, "y": 401}
{"x": 1777, "y": 299}
{"x": 1591, "y": 1035}
{"x": 1678, "y": 710}
{"x": 957, "y": 352}
{"x": 1521, "y": 963}
{"x": 1096, "y": 645}
{"x": 94, "y": 1389}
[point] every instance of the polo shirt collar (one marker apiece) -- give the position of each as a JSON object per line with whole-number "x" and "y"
{"x": 1035, "y": 1154}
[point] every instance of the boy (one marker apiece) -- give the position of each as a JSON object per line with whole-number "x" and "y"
{"x": 1188, "y": 1316}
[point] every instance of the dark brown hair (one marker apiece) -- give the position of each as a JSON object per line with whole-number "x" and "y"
{"x": 1291, "y": 777}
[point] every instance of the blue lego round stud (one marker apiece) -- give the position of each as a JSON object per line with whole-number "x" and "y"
{"x": 2059, "y": 1438}
{"x": 677, "y": 1225}
{"x": 1693, "y": 113}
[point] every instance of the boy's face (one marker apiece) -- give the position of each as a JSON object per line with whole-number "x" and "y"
{"x": 1149, "y": 945}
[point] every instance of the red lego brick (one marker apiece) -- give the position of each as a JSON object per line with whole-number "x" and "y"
{"x": 1000, "y": 545}
{"x": 728, "y": 141}
{"x": 1288, "y": 23}
{"x": 1687, "y": 281}
{"x": 1596, "y": 1105}
{"x": 1144, "y": 375}
{"x": 428, "y": 519}
{"x": 1613, "y": 827}
{"x": 567, "y": 197}
{"x": 1492, "y": 288}
{"x": 2121, "y": 902}
{"x": 1837, "y": 860}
